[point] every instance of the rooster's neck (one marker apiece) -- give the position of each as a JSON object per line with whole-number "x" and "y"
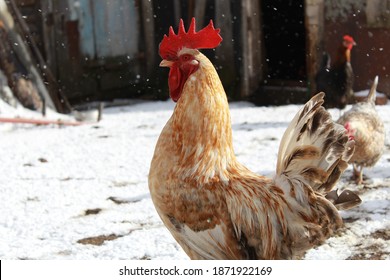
{"x": 343, "y": 55}
{"x": 201, "y": 126}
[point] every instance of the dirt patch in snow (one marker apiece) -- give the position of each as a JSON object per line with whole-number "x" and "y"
{"x": 98, "y": 240}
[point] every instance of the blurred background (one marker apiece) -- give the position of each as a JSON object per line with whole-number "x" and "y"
{"x": 72, "y": 52}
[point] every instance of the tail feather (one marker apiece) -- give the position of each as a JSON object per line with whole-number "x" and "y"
{"x": 314, "y": 151}
{"x": 372, "y": 94}
{"x": 344, "y": 201}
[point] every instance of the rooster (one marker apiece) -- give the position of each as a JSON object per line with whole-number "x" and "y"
{"x": 366, "y": 127}
{"x": 336, "y": 80}
{"x": 214, "y": 206}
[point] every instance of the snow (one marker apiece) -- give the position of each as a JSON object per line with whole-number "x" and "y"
{"x": 81, "y": 192}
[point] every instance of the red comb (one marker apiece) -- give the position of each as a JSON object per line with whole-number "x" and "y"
{"x": 348, "y": 39}
{"x": 207, "y": 38}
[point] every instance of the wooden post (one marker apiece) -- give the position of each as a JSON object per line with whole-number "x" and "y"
{"x": 225, "y": 53}
{"x": 244, "y": 49}
{"x": 49, "y": 33}
{"x": 100, "y": 111}
{"x": 200, "y": 9}
{"x": 257, "y": 47}
{"x": 148, "y": 28}
{"x": 177, "y": 11}
{"x": 251, "y": 35}
{"x": 314, "y": 23}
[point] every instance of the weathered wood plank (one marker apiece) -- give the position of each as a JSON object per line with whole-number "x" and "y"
{"x": 116, "y": 28}
{"x": 85, "y": 16}
{"x": 225, "y": 52}
{"x": 148, "y": 35}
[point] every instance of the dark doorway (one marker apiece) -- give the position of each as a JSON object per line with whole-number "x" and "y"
{"x": 285, "y": 39}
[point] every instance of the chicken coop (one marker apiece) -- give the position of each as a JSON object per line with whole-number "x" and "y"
{"x": 102, "y": 50}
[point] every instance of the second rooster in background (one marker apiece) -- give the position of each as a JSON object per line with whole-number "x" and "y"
{"x": 336, "y": 79}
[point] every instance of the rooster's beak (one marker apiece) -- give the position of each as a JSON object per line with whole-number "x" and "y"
{"x": 166, "y": 63}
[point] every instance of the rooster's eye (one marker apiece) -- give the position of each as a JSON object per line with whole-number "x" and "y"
{"x": 186, "y": 57}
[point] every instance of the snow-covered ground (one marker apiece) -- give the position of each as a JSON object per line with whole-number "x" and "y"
{"x": 81, "y": 192}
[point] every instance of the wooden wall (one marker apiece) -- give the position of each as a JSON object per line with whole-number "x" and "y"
{"x": 109, "y": 49}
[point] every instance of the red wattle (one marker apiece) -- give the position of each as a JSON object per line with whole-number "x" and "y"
{"x": 178, "y": 77}
{"x": 174, "y": 83}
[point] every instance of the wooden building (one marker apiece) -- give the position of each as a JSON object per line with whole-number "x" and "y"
{"x": 99, "y": 50}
